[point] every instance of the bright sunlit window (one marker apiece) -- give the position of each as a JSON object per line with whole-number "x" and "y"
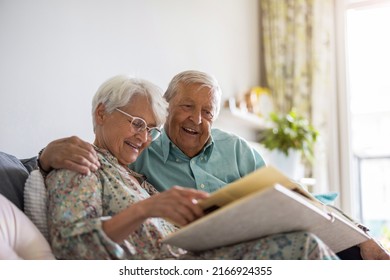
{"x": 368, "y": 56}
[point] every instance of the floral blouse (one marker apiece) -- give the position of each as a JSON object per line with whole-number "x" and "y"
{"x": 78, "y": 204}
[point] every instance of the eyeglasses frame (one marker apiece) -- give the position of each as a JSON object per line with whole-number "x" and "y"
{"x": 147, "y": 128}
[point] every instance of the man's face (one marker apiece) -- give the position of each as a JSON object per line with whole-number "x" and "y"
{"x": 190, "y": 118}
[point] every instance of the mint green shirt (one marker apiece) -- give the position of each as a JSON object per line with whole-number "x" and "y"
{"x": 223, "y": 160}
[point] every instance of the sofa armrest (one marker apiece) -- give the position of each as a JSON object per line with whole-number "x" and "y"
{"x": 13, "y": 175}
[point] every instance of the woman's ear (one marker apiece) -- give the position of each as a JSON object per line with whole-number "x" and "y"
{"x": 100, "y": 113}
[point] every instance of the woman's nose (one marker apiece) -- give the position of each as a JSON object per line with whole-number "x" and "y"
{"x": 143, "y": 135}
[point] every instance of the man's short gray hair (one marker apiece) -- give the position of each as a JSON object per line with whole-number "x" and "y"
{"x": 118, "y": 91}
{"x": 195, "y": 77}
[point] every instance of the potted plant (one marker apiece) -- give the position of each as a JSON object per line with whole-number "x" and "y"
{"x": 288, "y": 134}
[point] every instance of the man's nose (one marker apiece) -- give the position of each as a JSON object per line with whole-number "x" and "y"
{"x": 196, "y": 116}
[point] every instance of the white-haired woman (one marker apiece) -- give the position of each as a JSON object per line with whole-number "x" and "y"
{"x": 113, "y": 213}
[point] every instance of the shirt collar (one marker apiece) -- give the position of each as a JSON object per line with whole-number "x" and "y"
{"x": 168, "y": 146}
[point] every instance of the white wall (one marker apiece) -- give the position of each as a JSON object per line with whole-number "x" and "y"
{"x": 55, "y": 53}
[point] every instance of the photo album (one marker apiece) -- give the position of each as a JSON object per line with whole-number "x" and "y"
{"x": 262, "y": 203}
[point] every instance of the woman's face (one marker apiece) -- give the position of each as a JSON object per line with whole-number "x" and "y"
{"x": 115, "y": 133}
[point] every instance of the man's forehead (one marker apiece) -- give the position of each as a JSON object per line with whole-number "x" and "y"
{"x": 194, "y": 98}
{"x": 195, "y": 89}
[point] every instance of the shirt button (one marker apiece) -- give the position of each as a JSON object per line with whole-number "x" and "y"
{"x": 202, "y": 186}
{"x": 177, "y": 160}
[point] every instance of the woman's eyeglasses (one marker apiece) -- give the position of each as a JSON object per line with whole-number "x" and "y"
{"x": 139, "y": 125}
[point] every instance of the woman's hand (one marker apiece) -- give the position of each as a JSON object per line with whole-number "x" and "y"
{"x": 178, "y": 205}
{"x": 70, "y": 153}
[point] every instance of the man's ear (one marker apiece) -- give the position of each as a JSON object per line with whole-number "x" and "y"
{"x": 100, "y": 113}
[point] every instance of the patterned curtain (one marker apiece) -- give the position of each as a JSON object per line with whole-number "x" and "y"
{"x": 296, "y": 51}
{"x": 299, "y": 67}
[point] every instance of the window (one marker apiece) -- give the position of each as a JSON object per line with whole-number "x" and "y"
{"x": 368, "y": 61}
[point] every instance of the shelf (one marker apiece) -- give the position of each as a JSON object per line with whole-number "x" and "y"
{"x": 241, "y": 118}
{"x": 241, "y": 123}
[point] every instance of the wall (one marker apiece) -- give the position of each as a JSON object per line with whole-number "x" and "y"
{"x": 55, "y": 54}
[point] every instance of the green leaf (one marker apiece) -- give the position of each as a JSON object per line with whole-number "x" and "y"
{"x": 290, "y": 131}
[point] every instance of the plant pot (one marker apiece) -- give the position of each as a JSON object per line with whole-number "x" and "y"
{"x": 290, "y": 165}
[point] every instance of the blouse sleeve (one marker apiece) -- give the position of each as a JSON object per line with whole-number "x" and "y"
{"x": 75, "y": 217}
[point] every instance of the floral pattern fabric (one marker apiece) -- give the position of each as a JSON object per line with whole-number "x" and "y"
{"x": 78, "y": 204}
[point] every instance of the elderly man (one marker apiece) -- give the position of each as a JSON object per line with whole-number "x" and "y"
{"x": 188, "y": 153}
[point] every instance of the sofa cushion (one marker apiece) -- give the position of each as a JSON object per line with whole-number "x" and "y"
{"x": 13, "y": 175}
{"x": 30, "y": 163}
{"x": 35, "y": 201}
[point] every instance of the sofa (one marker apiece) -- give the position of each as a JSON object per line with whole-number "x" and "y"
{"x": 13, "y": 175}
{"x": 20, "y": 237}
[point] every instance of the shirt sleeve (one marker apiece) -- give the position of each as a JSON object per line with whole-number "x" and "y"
{"x": 248, "y": 158}
{"x": 75, "y": 217}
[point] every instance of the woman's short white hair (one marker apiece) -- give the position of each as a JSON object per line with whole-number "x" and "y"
{"x": 118, "y": 91}
{"x": 195, "y": 77}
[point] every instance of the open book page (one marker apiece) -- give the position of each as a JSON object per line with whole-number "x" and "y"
{"x": 262, "y": 203}
{"x": 256, "y": 181}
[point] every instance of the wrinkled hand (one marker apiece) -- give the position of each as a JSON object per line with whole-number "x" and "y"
{"x": 178, "y": 205}
{"x": 371, "y": 250}
{"x": 70, "y": 153}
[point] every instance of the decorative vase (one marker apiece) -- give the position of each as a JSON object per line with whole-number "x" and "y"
{"x": 290, "y": 165}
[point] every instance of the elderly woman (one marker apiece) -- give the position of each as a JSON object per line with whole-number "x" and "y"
{"x": 114, "y": 213}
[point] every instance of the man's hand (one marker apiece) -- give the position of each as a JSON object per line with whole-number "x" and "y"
{"x": 371, "y": 250}
{"x": 70, "y": 153}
